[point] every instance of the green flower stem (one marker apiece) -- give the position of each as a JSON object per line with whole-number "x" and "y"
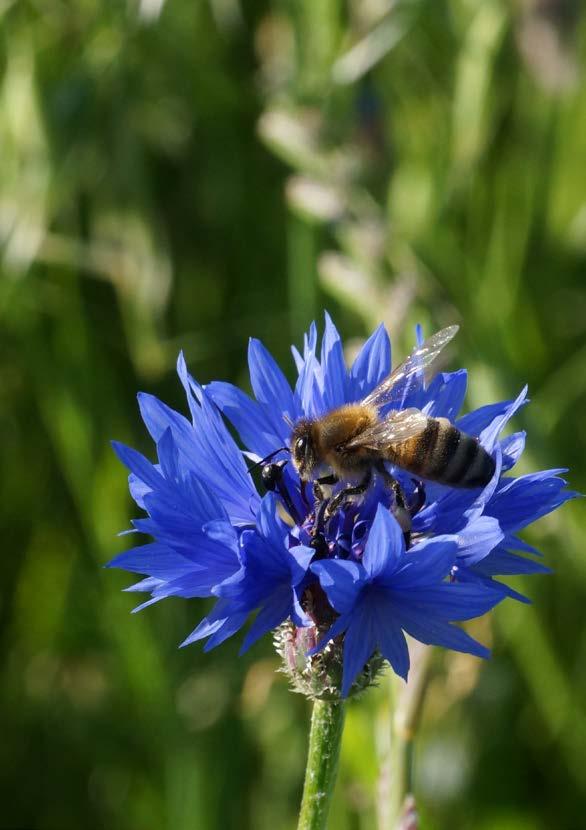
{"x": 327, "y": 724}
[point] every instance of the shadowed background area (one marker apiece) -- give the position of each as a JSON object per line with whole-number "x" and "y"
{"x": 184, "y": 175}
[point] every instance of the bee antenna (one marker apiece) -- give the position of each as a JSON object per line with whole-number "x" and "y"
{"x": 268, "y": 458}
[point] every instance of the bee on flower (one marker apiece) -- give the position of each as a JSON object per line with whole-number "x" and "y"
{"x": 380, "y": 510}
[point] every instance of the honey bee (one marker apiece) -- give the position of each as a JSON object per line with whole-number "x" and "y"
{"x": 351, "y": 442}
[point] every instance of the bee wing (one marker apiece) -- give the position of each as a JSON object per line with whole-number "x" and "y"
{"x": 391, "y": 390}
{"x": 397, "y": 427}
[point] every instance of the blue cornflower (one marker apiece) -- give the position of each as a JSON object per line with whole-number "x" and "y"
{"x": 360, "y": 582}
{"x": 392, "y": 590}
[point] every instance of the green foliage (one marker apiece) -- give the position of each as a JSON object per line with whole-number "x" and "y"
{"x": 184, "y": 175}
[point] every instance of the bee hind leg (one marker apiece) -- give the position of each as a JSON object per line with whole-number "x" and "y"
{"x": 401, "y": 510}
{"x": 355, "y": 490}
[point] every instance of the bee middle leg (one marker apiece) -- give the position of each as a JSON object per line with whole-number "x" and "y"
{"x": 354, "y": 490}
{"x": 321, "y": 501}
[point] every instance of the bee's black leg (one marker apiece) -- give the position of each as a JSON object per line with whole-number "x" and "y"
{"x": 329, "y": 479}
{"x": 272, "y": 478}
{"x": 320, "y": 511}
{"x": 321, "y": 502}
{"x": 355, "y": 490}
{"x": 318, "y": 492}
{"x": 401, "y": 511}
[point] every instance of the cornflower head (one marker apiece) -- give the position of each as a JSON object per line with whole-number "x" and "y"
{"x": 339, "y": 588}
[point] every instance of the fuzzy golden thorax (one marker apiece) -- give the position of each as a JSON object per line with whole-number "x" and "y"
{"x": 318, "y": 443}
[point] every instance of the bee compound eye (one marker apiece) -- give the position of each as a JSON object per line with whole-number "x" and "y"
{"x": 300, "y": 445}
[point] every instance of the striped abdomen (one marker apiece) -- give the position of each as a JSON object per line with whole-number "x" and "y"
{"x": 444, "y": 454}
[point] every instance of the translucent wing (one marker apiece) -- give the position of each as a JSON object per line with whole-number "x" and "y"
{"x": 397, "y": 427}
{"x": 391, "y": 390}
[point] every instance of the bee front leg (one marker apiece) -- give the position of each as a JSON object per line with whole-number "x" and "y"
{"x": 355, "y": 490}
{"x": 272, "y": 478}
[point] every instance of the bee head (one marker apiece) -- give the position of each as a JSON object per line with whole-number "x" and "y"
{"x": 303, "y": 449}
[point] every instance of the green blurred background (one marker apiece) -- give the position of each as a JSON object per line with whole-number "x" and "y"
{"x": 185, "y": 174}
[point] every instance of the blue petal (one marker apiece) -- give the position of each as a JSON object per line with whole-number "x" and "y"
{"x": 153, "y": 559}
{"x": 475, "y": 576}
{"x": 253, "y": 425}
{"x": 309, "y": 388}
{"x": 333, "y": 366}
{"x": 158, "y": 417}
{"x": 230, "y": 626}
{"x": 440, "y": 633}
{"x": 221, "y": 462}
{"x": 138, "y": 464}
{"x": 232, "y": 587}
{"x": 298, "y": 615}
{"x": 275, "y": 611}
{"x": 270, "y": 386}
{"x": 512, "y": 447}
{"x": 385, "y": 545}
{"x": 192, "y": 389}
{"x": 359, "y": 646}
{"x": 393, "y": 646}
{"x": 299, "y": 558}
{"x": 270, "y": 527}
{"x": 221, "y": 531}
{"x": 340, "y": 625}
{"x": 209, "y": 449}
{"x": 341, "y": 581}
{"x": 477, "y": 539}
{"x": 298, "y": 360}
{"x": 146, "y": 584}
{"x": 138, "y": 489}
{"x": 146, "y": 604}
{"x": 219, "y": 624}
{"x": 504, "y": 563}
{"x": 427, "y": 563}
{"x": 204, "y": 504}
{"x": 446, "y": 394}
{"x": 146, "y": 526}
{"x": 446, "y": 601}
{"x": 513, "y": 543}
{"x": 520, "y": 501}
{"x": 209, "y": 625}
{"x": 168, "y": 456}
{"x": 489, "y": 435}
{"x": 372, "y": 365}
{"x": 196, "y": 583}
{"x": 190, "y": 551}
{"x": 474, "y": 423}
{"x": 310, "y": 341}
